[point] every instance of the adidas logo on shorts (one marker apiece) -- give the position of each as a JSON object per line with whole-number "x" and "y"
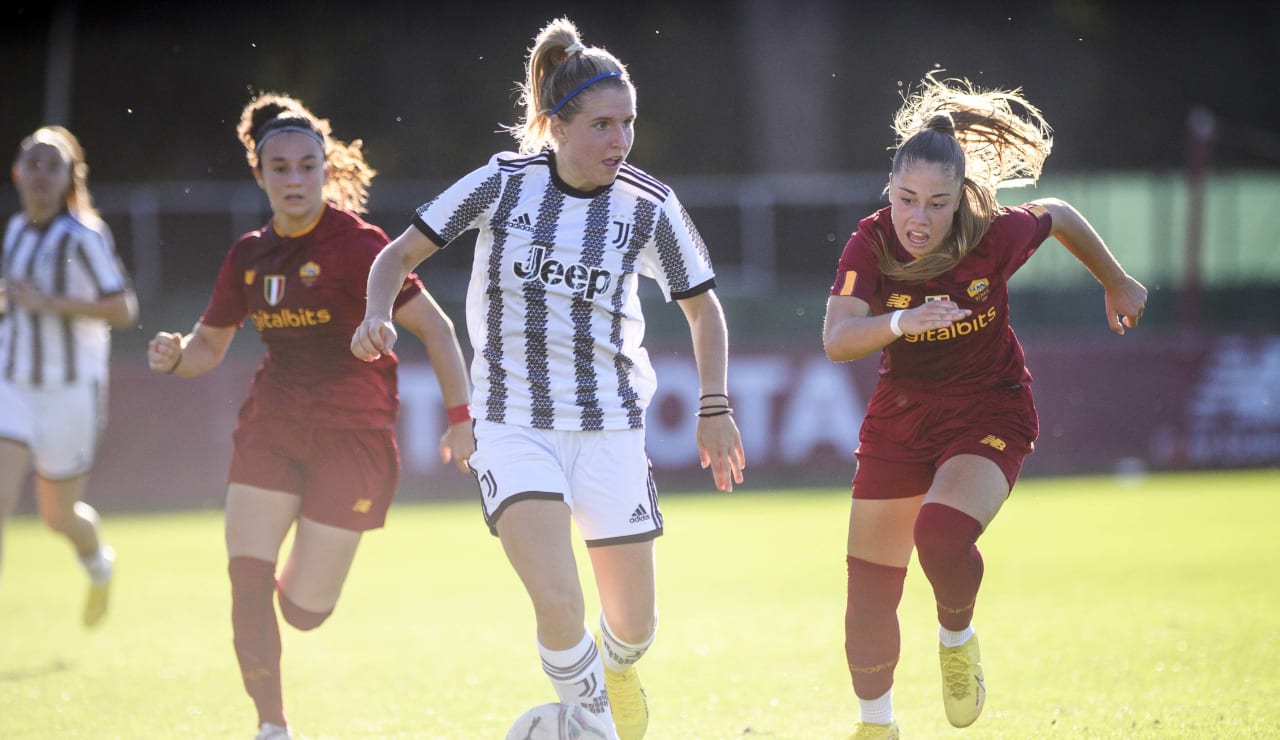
{"x": 639, "y": 515}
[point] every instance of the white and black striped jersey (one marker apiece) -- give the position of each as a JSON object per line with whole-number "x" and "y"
{"x": 553, "y": 309}
{"x": 67, "y": 257}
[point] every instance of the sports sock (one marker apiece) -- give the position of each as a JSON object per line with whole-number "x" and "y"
{"x": 618, "y": 655}
{"x": 98, "y": 564}
{"x": 577, "y": 675}
{"x": 872, "y": 640}
{"x": 256, "y": 635}
{"x": 877, "y": 711}
{"x": 954, "y": 639}
{"x": 300, "y": 618}
{"x": 945, "y": 543}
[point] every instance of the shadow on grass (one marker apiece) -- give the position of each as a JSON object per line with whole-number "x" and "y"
{"x": 22, "y": 674}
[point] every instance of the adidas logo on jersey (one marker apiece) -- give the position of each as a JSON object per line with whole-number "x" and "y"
{"x": 639, "y": 515}
{"x": 522, "y": 222}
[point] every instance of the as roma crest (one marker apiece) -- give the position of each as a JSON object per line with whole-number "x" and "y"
{"x": 273, "y": 289}
{"x": 309, "y": 273}
{"x": 979, "y": 289}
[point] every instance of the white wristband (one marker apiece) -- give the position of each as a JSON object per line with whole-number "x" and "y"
{"x": 893, "y": 322}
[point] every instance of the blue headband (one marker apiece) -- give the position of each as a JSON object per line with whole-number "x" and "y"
{"x": 580, "y": 88}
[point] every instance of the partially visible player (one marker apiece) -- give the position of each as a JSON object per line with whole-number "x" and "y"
{"x": 65, "y": 288}
{"x": 566, "y": 229}
{"x": 924, "y": 281}
{"x": 315, "y": 447}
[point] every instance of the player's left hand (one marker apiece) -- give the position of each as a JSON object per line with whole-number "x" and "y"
{"x": 457, "y": 445}
{"x": 1125, "y": 303}
{"x": 720, "y": 448}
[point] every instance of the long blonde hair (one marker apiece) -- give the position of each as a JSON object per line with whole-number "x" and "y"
{"x": 78, "y": 199}
{"x": 349, "y": 174}
{"x": 556, "y": 65}
{"x": 979, "y": 138}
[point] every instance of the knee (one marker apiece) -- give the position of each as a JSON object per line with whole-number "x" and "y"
{"x": 299, "y": 618}
{"x": 944, "y": 532}
{"x": 559, "y": 609}
{"x": 56, "y": 519}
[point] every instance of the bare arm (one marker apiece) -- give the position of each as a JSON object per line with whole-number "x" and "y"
{"x": 376, "y": 334}
{"x": 719, "y": 442}
{"x": 193, "y": 354}
{"x": 1125, "y": 298}
{"x": 424, "y": 317}
{"x": 849, "y": 331}
{"x": 119, "y": 309}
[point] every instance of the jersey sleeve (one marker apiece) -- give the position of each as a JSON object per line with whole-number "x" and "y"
{"x": 228, "y": 305}
{"x": 464, "y": 205}
{"x": 677, "y": 257}
{"x": 1021, "y": 230}
{"x": 97, "y": 250}
{"x": 857, "y": 272}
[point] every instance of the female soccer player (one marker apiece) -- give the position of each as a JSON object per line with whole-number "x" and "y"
{"x": 315, "y": 447}
{"x": 566, "y": 228}
{"x": 65, "y": 289}
{"x": 952, "y": 417}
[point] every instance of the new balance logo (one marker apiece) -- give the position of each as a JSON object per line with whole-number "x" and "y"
{"x": 898, "y": 300}
{"x": 362, "y": 505}
{"x": 639, "y": 515}
{"x": 522, "y": 222}
{"x": 993, "y": 441}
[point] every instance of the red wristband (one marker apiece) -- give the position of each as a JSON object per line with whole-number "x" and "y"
{"x": 458, "y": 414}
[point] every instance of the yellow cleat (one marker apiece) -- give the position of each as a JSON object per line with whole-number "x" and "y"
{"x": 95, "y": 607}
{"x": 627, "y": 701}
{"x": 963, "y": 689}
{"x": 871, "y": 731}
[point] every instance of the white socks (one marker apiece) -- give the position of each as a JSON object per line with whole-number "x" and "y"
{"x": 99, "y": 564}
{"x": 618, "y": 655}
{"x": 954, "y": 639}
{"x": 878, "y": 711}
{"x": 578, "y": 676}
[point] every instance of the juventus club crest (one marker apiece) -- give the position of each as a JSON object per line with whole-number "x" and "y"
{"x": 273, "y": 289}
{"x": 621, "y": 233}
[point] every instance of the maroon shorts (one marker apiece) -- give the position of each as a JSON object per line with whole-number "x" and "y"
{"x": 905, "y": 438}
{"x": 346, "y": 477}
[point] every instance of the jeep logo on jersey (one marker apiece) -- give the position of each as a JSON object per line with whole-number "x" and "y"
{"x": 273, "y": 289}
{"x": 588, "y": 282}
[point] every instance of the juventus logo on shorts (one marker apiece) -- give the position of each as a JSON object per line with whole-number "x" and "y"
{"x": 273, "y": 288}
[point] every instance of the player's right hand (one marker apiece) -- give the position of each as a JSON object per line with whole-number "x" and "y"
{"x": 373, "y": 339}
{"x": 163, "y": 351}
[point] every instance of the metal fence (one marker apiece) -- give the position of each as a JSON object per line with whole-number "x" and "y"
{"x": 765, "y": 231}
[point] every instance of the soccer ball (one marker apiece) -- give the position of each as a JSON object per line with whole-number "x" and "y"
{"x": 558, "y": 722}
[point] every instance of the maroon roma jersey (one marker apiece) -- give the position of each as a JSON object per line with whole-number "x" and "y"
{"x": 306, "y": 295}
{"x": 976, "y": 353}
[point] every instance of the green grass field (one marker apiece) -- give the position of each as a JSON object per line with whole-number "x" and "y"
{"x": 1111, "y": 609}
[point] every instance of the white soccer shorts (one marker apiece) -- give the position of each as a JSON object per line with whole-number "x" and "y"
{"x": 605, "y": 478}
{"x": 61, "y": 426}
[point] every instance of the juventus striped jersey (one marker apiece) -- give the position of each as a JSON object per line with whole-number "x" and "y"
{"x": 553, "y": 309}
{"x": 71, "y": 258}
